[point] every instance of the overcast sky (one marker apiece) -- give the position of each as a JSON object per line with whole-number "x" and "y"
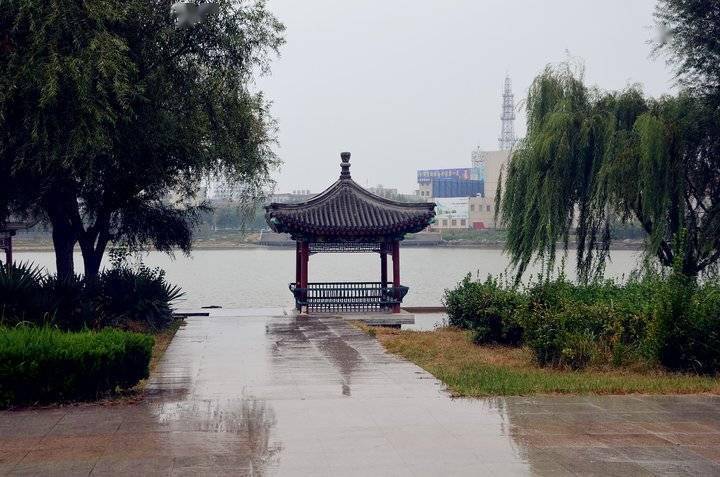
{"x": 409, "y": 84}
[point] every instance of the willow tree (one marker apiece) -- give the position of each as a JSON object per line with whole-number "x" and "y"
{"x": 594, "y": 158}
{"x": 110, "y": 117}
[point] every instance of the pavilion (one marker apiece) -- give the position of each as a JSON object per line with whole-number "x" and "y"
{"x": 346, "y": 218}
{"x": 7, "y": 230}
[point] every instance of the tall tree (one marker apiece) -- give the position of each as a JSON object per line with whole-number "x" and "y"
{"x": 690, "y": 37}
{"x": 592, "y": 157}
{"x": 110, "y": 116}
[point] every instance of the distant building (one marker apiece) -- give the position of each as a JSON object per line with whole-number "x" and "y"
{"x": 472, "y": 191}
{"x": 458, "y": 182}
{"x": 385, "y": 192}
{"x": 481, "y": 209}
{"x": 293, "y": 197}
{"x": 475, "y": 187}
{"x": 225, "y": 190}
{"x": 451, "y": 213}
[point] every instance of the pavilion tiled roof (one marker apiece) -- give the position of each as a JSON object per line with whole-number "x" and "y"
{"x": 12, "y": 224}
{"x": 346, "y": 209}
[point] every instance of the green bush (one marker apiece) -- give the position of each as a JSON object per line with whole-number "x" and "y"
{"x": 576, "y": 325}
{"x": 43, "y": 364}
{"x": 141, "y": 296}
{"x": 21, "y": 297}
{"x": 70, "y": 303}
{"x": 686, "y": 332}
{"x": 122, "y": 297}
{"x": 671, "y": 321}
{"x": 576, "y": 334}
{"x": 487, "y": 308}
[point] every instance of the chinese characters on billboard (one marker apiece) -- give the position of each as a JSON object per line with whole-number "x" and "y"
{"x": 452, "y": 207}
{"x": 424, "y": 176}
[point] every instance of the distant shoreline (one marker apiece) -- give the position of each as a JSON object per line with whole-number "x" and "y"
{"x": 29, "y": 246}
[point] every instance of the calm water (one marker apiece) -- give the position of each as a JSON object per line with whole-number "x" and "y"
{"x": 259, "y": 277}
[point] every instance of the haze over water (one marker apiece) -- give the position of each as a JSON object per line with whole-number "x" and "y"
{"x": 259, "y": 277}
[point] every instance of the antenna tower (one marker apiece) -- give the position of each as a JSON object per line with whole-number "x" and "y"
{"x": 507, "y": 138}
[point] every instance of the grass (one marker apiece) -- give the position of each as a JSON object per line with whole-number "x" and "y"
{"x": 474, "y": 371}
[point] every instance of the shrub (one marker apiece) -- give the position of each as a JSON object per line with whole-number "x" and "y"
{"x": 71, "y": 303}
{"x": 671, "y": 320}
{"x": 686, "y": 331}
{"x": 141, "y": 296}
{"x": 21, "y": 297}
{"x": 43, "y": 364}
{"x": 487, "y": 308}
{"x": 121, "y": 297}
{"x": 576, "y": 334}
{"x": 576, "y": 325}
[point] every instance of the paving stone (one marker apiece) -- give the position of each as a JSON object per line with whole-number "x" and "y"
{"x": 258, "y": 393}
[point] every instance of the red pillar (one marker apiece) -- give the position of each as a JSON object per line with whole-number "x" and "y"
{"x": 304, "y": 259}
{"x": 396, "y": 269}
{"x": 297, "y": 264}
{"x": 383, "y": 265}
{"x": 8, "y": 252}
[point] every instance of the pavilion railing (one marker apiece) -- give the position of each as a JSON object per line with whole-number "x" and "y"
{"x": 329, "y": 297}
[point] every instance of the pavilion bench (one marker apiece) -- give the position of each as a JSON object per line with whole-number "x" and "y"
{"x": 329, "y": 297}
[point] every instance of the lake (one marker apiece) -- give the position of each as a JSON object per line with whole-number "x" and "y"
{"x": 259, "y": 277}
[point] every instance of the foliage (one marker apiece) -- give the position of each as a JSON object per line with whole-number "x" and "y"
{"x": 686, "y": 332}
{"x": 487, "y": 308}
{"x": 126, "y": 295}
{"x": 650, "y": 320}
{"x": 110, "y": 117}
{"x": 20, "y": 292}
{"x": 44, "y": 364}
{"x": 69, "y": 303}
{"x": 689, "y": 32}
{"x": 591, "y": 158}
{"x": 121, "y": 297}
{"x": 576, "y": 334}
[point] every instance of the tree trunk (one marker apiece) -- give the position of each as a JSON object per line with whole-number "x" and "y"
{"x": 64, "y": 244}
{"x": 92, "y": 253}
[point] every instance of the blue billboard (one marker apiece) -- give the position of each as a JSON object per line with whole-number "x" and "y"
{"x": 425, "y": 176}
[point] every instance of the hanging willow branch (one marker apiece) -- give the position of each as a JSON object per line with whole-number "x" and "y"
{"x": 592, "y": 159}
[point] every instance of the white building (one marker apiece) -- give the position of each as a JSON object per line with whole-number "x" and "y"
{"x": 481, "y": 210}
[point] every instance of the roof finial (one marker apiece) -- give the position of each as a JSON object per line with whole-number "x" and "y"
{"x": 345, "y": 165}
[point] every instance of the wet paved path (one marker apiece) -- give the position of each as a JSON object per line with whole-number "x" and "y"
{"x": 256, "y": 394}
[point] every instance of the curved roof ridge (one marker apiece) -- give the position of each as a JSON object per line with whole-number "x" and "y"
{"x": 347, "y": 209}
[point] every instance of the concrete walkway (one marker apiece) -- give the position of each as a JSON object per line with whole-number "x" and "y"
{"x": 260, "y": 393}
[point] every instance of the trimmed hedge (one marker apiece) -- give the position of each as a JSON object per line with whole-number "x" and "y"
{"x": 43, "y": 364}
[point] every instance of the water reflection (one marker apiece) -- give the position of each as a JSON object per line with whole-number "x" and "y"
{"x": 246, "y": 425}
{"x": 297, "y": 338}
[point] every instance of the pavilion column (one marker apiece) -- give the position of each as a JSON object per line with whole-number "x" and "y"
{"x": 8, "y": 252}
{"x": 298, "y": 268}
{"x": 297, "y": 263}
{"x": 383, "y": 265}
{"x": 304, "y": 260}
{"x": 396, "y": 270}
